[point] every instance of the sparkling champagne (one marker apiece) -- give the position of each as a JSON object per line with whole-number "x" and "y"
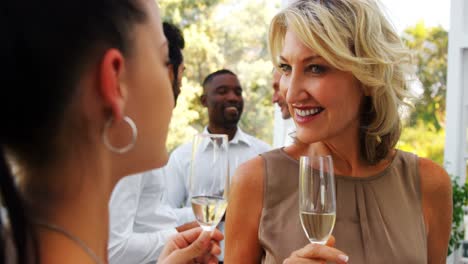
{"x": 318, "y": 226}
{"x": 208, "y": 210}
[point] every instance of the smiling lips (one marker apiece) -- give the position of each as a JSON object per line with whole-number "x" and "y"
{"x": 232, "y": 110}
{"x": 306, "y": 114}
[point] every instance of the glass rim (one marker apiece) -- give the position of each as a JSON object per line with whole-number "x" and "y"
{"x": 315, "y": 156}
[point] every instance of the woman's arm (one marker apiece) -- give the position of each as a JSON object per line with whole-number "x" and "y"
{"x": 243, "y": 219}
{"x": 243, "y": 214}
{"x": 436, "y": 189}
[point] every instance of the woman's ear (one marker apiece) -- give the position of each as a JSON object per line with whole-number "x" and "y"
{"x": 112, "y": 86}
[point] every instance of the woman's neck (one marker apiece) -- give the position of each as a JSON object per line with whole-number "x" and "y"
{"x": 346, "y": 153}
{"x": 77, "y": 202}
{"x": 81, "y": 230}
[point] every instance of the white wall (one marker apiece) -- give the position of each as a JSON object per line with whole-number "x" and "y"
{"x": 456, "y": 146}
{"x": 457, "y": 94}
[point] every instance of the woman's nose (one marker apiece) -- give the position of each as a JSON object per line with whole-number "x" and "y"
{"x": 294, "y": 86}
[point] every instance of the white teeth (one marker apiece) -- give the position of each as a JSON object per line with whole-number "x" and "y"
{"x": 307, "y": 112}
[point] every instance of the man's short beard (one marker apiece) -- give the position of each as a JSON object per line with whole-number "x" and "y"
{"x": 229, "y": 124}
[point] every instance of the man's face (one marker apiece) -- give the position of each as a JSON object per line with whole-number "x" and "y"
{"x": 223, "y": 98}
{"x": 278, "y": 97}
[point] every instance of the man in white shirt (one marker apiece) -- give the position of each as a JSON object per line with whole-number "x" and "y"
{"x": 222, "y": 96}
{"x": 241, "y": 148}
{"x": 141, "y": 221}
{"x": 284, "y": 129}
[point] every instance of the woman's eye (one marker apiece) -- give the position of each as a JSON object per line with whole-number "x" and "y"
{"x": 285, "y": 68}
{"x": 316, "y": 69}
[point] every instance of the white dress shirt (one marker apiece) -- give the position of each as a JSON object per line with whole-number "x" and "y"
{"x": 284, "y": 133}
{"x": 140, "y": 220}
{"x": 241, "y": 148}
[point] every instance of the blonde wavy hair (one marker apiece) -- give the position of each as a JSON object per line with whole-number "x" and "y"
{"x": 355, "y": 36}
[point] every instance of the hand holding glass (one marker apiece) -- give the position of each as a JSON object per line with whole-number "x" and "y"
{"x": 317, "y": 202}
{"x": 209, "y": 179}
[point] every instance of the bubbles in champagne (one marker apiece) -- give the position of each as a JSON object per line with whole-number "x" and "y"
{"x": 208, "y": 210}
{"x": 318, "y": 226}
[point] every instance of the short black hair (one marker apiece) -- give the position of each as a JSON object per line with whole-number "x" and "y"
{"x": 176, "y": 44}
{"x": 175, "y": 41}
{"x": 211, "y": 76}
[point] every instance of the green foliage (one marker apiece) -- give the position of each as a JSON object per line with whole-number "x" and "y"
{"x": 220, "y": 34}
{"x": 460, "y": 199}
{"x": 186, "y": 12}
{"x": 180, "y": 130}
{"x": 430, "y": 47}
{"x": 424, "y": 133}
{"x": 424, "y": 140}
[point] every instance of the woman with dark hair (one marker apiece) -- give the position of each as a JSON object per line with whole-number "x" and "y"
{"x": 87, "y": 100}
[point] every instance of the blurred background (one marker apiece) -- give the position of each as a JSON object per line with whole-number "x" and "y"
{"x": 232, "y": 34}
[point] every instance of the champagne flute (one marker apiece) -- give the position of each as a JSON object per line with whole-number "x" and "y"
{"x": 209, "y": 179}
{"x": 317, "y": 201}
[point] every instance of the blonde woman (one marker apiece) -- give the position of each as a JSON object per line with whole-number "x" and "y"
{"x": 344, "y": 73}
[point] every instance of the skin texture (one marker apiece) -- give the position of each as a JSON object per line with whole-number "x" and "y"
{"x": 309, "y": 82}
{"x": 204, "y": 244}
{"x": 278, "y": 97}
{"x": 436, "y": 190}
{"x": 223, "y": 98}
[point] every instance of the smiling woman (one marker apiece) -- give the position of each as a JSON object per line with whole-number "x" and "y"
{"x": 344, "y": 73}
{"x": 368, "y": 62}
{"x": 307, "y": 74}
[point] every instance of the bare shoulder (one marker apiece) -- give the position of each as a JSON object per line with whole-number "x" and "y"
{"x": 436, "y": 190}
{"x": 250, "y": 174}
{"x": 247, "y": 185}
{"x": 436, "y": 186}
{"x": 244, "y": 212}
{"x": 246, "y": 195}
{"x": 434, "y": 179}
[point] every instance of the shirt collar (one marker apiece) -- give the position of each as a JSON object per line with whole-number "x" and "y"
{"x": 239, "y": 137}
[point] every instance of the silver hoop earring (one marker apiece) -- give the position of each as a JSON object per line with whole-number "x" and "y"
{"x": 126, "y": 148}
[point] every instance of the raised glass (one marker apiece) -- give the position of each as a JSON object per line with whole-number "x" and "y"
{"x": 209, "y": 179}
{"x": 317, "y": 201}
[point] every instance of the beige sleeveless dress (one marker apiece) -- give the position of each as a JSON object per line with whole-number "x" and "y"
{"x": 379, "y": 218}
